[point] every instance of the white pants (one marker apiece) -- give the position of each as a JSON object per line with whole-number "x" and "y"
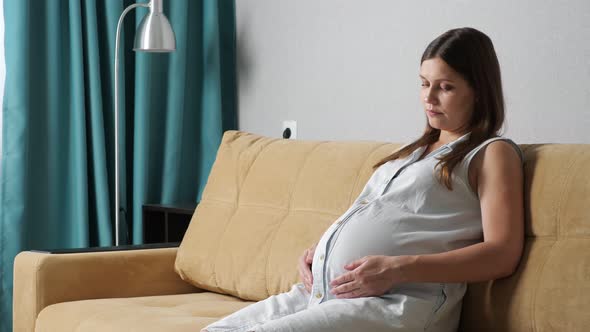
{"x": 290, "y": 312}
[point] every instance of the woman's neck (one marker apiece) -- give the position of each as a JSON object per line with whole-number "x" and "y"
{"x": 446, "y": 137}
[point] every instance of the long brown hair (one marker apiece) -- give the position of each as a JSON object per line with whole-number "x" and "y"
{"x": 470, "y": 53}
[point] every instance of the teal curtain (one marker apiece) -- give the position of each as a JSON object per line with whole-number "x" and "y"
{"x": 57, "y": 181}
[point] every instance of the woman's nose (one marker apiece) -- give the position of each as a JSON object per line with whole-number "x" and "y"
{"x": 430, "y": 97}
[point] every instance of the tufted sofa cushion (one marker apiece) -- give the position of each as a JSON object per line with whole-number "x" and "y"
{"x": 550, "y": 291}
{"x": 267, "y": 200}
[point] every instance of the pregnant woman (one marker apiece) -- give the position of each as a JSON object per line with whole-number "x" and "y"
{"x": 442, "y": 211}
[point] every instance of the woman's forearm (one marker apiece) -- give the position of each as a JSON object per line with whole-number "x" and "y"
{"x": 478, "y": 262}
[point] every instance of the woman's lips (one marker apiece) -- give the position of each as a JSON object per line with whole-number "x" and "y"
{"x": 431, "y": 113}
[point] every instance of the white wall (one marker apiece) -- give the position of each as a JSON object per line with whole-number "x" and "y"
{"x": 348, "y": 69}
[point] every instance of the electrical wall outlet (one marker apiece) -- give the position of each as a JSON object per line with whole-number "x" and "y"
{"x": 292, "y": 126}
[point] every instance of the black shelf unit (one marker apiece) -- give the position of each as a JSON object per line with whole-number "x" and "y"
{"x": 166, "y": 223}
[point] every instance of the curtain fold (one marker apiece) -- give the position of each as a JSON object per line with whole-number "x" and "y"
{"x": 57, "y": 180}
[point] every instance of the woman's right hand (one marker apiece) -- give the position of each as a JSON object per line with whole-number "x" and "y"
{"x": 305, "y": 262}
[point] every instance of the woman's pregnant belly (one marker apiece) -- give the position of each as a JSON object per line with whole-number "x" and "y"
{"x": 378, "y": 230}
{"x": 370, "y": 231}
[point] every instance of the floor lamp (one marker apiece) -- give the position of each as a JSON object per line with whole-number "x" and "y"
{"x": 154, "y": 34}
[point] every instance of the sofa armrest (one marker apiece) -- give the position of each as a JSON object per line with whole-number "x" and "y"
{"x": 42, "y": 279}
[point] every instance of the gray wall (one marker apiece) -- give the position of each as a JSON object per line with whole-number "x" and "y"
{"x": 348, "y": 69}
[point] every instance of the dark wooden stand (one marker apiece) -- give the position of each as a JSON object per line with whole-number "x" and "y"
{"x": 165, "y": 223}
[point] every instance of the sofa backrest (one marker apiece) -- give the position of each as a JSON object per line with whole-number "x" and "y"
{"x": 550, "y": 291}
{"x": 265, "y": 202}
{"x": 267, "y": 199}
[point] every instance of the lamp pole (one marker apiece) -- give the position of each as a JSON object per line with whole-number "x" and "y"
{"x": 154, "y": 34}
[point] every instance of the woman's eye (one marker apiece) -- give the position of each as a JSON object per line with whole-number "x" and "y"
{"x": 446, "y": 87}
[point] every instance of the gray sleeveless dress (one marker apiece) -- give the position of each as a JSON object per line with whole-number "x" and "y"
{"x": 402, "y": 210}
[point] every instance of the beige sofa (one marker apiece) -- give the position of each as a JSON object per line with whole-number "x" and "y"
{"x": 268, "y": 199}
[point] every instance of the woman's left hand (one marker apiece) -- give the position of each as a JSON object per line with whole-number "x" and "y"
{"x": 368, "y": 276}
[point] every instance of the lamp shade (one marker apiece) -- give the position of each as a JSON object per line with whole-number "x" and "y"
{"x": 154, "y": 34}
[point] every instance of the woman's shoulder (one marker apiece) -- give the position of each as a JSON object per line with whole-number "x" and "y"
{"x": 503, "y": 150}
{"x": 497, "y": 158}
{"x": 497, "y": 147}
{"x": 507, "y": 147}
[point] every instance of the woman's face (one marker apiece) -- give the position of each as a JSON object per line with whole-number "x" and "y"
{"x": 447, "y": 97}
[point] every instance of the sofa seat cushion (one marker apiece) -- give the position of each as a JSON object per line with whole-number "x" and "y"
{"x": 179, "y": 313}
